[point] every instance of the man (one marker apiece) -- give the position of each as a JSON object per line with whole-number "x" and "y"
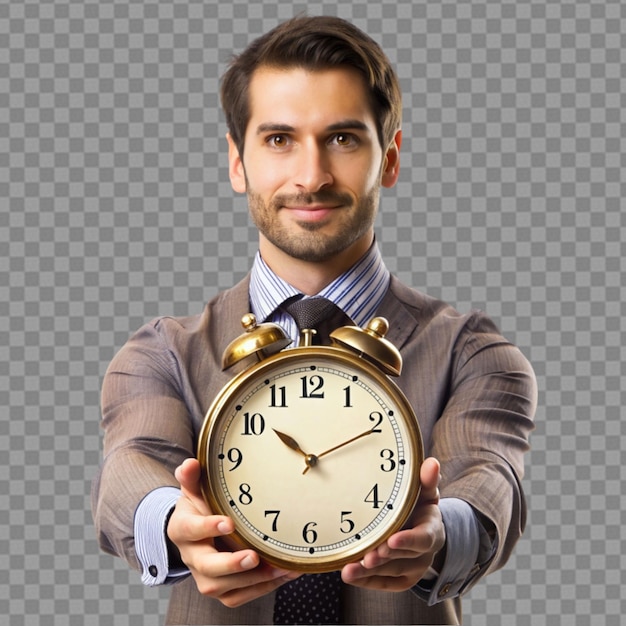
{"x": 313, "y": 111}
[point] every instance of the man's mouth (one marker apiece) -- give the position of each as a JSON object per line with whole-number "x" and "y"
{"x": 313, "y": 207}
{"x": 311, "y": 212}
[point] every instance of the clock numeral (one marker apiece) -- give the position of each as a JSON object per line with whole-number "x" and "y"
{"x": 245, "y": 497}
{"x": 390, "y": 464}
{"x": 309, "y": 534}
{"x": 372, "y": 497}
{"x": 311, "y": 387}
{"x": 348, "y": 403}
{"x": 235, "y": 457}
{"x": 346, "y": 520}
{"x": 278, "y": 396}
{"x": 275, "y": 520}
{"x": 377, "y": 417}
{"x": 253, "y": 424}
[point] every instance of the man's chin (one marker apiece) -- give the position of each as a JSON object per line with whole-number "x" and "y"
{"x": 308, "y": 246}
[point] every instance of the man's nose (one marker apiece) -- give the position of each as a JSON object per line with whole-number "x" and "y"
{"x": 314, "y": 171}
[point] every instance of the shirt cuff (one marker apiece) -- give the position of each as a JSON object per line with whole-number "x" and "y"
{"x": 468, "y": 549}
{"x": 150, "y": 543}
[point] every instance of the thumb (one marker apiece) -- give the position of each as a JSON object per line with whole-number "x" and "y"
{"x": 429, "y": 478}
{"x": 189, "y": 475}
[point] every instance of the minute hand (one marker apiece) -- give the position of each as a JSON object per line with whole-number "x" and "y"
{"x": 345, "y": 443}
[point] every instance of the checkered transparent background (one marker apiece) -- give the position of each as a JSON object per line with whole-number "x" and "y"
{"x": 115, "y": 207}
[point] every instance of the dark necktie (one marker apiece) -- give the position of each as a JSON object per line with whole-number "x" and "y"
{"x": 317, "y": 313}
{"x": 312, "y": 598}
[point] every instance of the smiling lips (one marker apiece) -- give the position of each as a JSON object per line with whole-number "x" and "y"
{"x": 311, "y": 213}
{"x": 313, "y": 207}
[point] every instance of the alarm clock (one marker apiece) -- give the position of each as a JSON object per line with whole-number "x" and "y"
{"x": 313, "y": 451}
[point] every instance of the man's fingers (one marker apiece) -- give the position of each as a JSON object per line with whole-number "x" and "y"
{"x": 429, "y": 479}
{"x": 192, "y": 520}
{"x": 243, "y": 595}
{"x": 394, "y": 575}
{"x": 188, "y": 474}
{"x": 193, "y": 527}
{"x": 236, "y": 577}
{"x": 225, "y": 563}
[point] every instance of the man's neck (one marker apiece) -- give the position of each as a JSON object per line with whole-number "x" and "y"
{"x": 310, "y": 277}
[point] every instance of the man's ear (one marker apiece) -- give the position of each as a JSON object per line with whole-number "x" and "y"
{"x": 391, "y": 164}
{"x": 235, "y": 167}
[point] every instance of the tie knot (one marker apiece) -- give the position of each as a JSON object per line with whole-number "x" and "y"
{"x": 316, "y": 313}
{"x": 309, "y": 312}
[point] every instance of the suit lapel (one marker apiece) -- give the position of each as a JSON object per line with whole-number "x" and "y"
{"x": 232, "y": 305}
{"x": 402, "y": 317}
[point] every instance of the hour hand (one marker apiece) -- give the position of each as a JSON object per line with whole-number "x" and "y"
{"x": 290, "y": 442}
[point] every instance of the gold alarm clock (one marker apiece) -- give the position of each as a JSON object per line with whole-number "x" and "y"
{"x": 313, "y": 451}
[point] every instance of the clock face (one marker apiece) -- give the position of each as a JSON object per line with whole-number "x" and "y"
{"x": 315, "y": 455}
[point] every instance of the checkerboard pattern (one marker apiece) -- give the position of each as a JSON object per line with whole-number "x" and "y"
{"x": 115, "y": 207}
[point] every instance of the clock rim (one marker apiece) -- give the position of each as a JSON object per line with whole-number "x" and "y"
{"x": 309, "y": 563}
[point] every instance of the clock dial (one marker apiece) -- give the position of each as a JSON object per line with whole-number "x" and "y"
{"x": 315, "y": 455}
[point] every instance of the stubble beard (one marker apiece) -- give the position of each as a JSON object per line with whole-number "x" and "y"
{"x": 309, "y": 242}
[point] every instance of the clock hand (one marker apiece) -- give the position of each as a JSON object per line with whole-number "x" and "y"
{"x": 290, "y": 442}
{"x": 345, "y": 443}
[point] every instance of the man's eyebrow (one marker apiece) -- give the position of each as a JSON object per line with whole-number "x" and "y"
{"x": 275, "y": 127}
{"x": 348, "y": 125}
{"x": 271, "y": 127}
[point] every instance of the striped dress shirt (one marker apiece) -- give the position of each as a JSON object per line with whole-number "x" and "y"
{"x": 357, "y": 292}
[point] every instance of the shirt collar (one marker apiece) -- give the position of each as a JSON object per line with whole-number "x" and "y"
{"x": 358, "y": 292}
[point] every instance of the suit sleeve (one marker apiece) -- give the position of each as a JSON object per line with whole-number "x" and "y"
{"x": 482, "y": 435}
{"x": 147, "y": 434}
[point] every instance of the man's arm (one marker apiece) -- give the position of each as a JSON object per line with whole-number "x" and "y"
{"x": 147, "y": 434}
{"x": 481, "y": 439}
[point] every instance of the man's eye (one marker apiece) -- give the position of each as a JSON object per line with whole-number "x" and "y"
{"x": 278, "y": 141}
{"x": 344, "y": 140}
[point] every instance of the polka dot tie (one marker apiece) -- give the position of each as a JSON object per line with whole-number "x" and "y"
{"x": 310, "y": 599}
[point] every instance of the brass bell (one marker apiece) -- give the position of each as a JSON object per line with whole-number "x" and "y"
{"x": 370, "y": 343}
{"x": 260, "y": 339}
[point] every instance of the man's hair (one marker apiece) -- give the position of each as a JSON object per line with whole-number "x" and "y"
{"x": 314, "y": 44}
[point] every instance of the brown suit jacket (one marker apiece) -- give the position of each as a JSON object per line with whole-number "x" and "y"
{"x": 473, "y": 392}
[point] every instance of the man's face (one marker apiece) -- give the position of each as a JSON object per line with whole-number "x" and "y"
{"x": 312, "y": 165}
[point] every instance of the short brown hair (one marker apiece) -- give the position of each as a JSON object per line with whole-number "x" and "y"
{"x": 314, "y": 43}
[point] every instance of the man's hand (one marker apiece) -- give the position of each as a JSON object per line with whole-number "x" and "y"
{"x": 403, "y": 559}
{"x": 234, "y": 578}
